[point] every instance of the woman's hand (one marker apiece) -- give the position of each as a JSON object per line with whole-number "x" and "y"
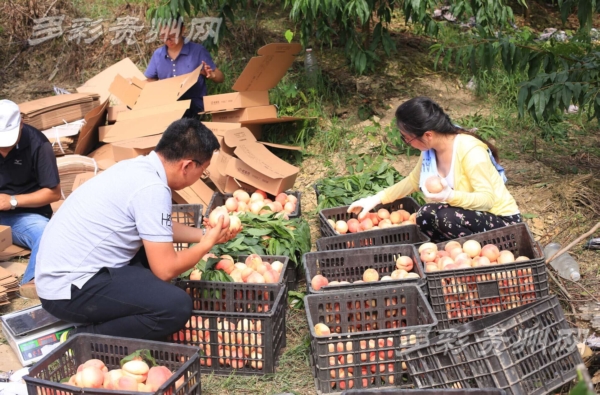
{"x": 364, "y": 205}
{"x": 443, "y": 196}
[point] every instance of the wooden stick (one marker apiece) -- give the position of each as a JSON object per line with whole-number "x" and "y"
{"x": 562, "y": 288}
{"x": 574, "y": 242}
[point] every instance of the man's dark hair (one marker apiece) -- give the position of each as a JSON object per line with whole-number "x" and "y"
{"x": 187, "y": 138}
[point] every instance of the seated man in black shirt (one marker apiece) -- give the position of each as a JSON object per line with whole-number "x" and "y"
{"x": 29, "y": 182}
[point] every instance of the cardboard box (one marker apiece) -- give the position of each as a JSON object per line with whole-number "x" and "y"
{"x": 263, "y": 72}
{"x": 102, "y": 131}
{"x": 100, "y": 82}
{"x": 88, "y": 135}
{"x": 114, "y": 111}
{"x": 104, "y": 156}
{"x": 197, "y": 193}
{"x": 139, "y": 94}
{"x": 246, "y": 114}
{"x": 5, "y": 237}
{"x": 235, "y": 137}
{"x": 219, "y": 128}
{"x": 133, "y": 148}
{"x": 257, "y": 166}
{"x": 145, "y": 122}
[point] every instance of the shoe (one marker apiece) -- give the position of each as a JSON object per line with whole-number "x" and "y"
{"x": 28, "y": 290}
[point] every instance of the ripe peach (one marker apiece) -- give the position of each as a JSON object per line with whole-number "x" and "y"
{"x": 282, "y": 198}
{"x": 506, "y": 257}
{"x": 428, "y": 255}
{"x": 91, "y": 377}
{"x": 451, "y": 245}
{"x": 434, "y": 184}
{"x": 396, "y": 217}
{"x": 341, "y": 227}
{"x": 157, "y": 376}
{"x": 127, "y": 384}
{"x": 195, "y": 275}
{"x": 399, "y": 274}
{"x": 226, "y": 265}
{"x": 231, "y": 204}
{"x": 521, "y": 258}
{"x": 261, "y": 193}
{"x": 253, "y": 260}
{"x": 255, "y": 278}
{"x": 370, "y": 275}
{"x": 472, "y": 248}
{"x": 404, "y": 263}
{"x": 353, "y": 225}
{"x": 428, "y": 245}
{"x": 214, "y": 217}
{"x": 241, "y": 195}
{"x": 491, "y": 252}
{"x": 383, "y": 213}
{"x": 366, "y": 224}
{"x": 277, "y": 266}
{"x": 322, "y": 330}
{"x": 455, "y": 252}
{"x": 318, "y": 281}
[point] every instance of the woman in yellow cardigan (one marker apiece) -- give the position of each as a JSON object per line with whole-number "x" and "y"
{"x": 474, "y": 198}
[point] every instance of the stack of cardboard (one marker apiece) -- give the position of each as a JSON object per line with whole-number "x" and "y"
{"x": 8, "y": 286}
{"x": 64, "y": 137}
{"x": 52, "y": 111}
{"x": 71, "y": 166}
{"x": 237, "y": 120}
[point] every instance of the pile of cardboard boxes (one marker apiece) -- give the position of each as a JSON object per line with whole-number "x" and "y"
{"x": 8, "y": 282}
{"x": 135, "y": 125}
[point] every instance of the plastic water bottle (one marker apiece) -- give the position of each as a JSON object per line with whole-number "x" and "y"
{"x": 311, "y": 66}
{"x": 565, "y": 265}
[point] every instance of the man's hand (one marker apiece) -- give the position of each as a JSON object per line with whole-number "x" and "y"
{"x": 207, "y": 71}
{"x": 4, "y": 202}
{"x": 217, "y": 235}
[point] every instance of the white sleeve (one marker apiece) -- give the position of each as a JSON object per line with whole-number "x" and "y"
{"x": 151, "y": 208}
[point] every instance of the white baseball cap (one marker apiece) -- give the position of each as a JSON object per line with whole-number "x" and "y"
{"x": 10, "y": 123}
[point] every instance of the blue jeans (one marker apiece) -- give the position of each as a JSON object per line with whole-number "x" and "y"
{"x": 27, "y": 229}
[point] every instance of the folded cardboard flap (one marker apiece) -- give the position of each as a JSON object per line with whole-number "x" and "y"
{"x": 261, "y": 159}
{"x": 166, "y": 91}
{"x": 219, "y": 128}
{"x": 102, "y": 131}
{"x": 88, "y": 135}
{"x": 264, "y": 72}
{"x": 236, "y": 137}
{"x": 5, "y": 237}
{"x": 246, "y": 114}
{"x": 133, "y": 148}
{"x": 100, "y": 82}
{"x": 149, "y": 125}
{"x": 113, "y": 111}
{"x": 235, "y": 100}
{"x": 197, "y": 193}
{"x": 181, "y": 105}
{"x": 104, "y": 156}
{"x": 127, "y": 92}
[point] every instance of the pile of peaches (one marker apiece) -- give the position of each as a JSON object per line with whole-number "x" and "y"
{"x": 380, "y": 220}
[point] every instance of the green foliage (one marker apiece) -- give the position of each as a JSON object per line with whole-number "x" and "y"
{"x": 361, "y": 26}
{"x": 140, "y": 355}
{"x": 269, "y": 235}
{"x": 209, "y": 273}
{"x": 554, "y": 74}
{"x": 366, "y": 178}
{"x": 296, "y": 299}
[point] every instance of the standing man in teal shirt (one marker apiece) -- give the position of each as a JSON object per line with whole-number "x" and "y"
{"x": 176, "y": 58}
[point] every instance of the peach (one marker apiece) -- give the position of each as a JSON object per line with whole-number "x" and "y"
{"x": 318, "y": 281}
{"x": 426, "y": 246}
{"x": 366, "y": 224}
{"x": 196, "y": 275}
{"x": 242, "y": 207}
{"x": 90, "y": 377}
{"x": 399, "y": 274}
{"x": 93, "y": 362}
{"x": 341, "y": 227}
{"x": 289, "y": 207}
{"x": 386, "y": 278}
{"x": 255, "y": 278}
{"x": 157, "y": 376}
{"x": 261, "y": 193}
{"x": 282, "y": 198}
{"x": 235, "y": 224}
{"x": 246, "y": 272}
{"x": 434, "y": 184}
{"x": 455, "y": 252}
{"x": 472, "y": 248}
{"x": 506, "y": 257}
{"x": 231, "y": 204}
{"x": 491, "y": 252}
{"x": 271, "y": 277}
{"x": 370, "y": 275}
{"x": 253, "y": 260}
{"x": 521, "y": 258}
{"x": 257, "y": 197}
{"x": 241, "y": 196}
{"x": 428, "y": 255}
{"x": 277, "y": 266}
{"x": 226, "y": 265}
{"x": 127, "y": 384}
{"x": 395, "y": 217}
{"x": 451, "y": 245}
{"x": 404, "y": 263}
{"x": 111, "y": 378}
{"x": 214, "y": 216}
{"x": 322, "y": 330}
{"x": 353, "y": 225}
{"x": 383, "y": 213}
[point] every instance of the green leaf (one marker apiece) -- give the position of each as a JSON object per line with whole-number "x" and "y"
{"x": 289, "y": 35}
{"x": 141, "y": 355}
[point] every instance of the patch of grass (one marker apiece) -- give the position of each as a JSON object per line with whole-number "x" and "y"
{"x": 104, "y": 9}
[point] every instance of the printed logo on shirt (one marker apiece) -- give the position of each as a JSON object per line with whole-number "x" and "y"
{"x": 18, "y": 162}
{"x": 166, "y": 220}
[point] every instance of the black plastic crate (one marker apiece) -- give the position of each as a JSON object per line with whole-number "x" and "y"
{"x": 406, "y": 234}
{"x": 45, "y": 376}
{"x": 340, "y": 213}
{"x": 367, "y": 327}
{"x": 393, "y": 391}
{"x": 218, "y": 199}
{"x": 349, "y": 265}
{"x": 189, "y": 215}
{"x": 462, "y": 295}
{"x": 247, "y": 318}
{"x": 530, "y": 350}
